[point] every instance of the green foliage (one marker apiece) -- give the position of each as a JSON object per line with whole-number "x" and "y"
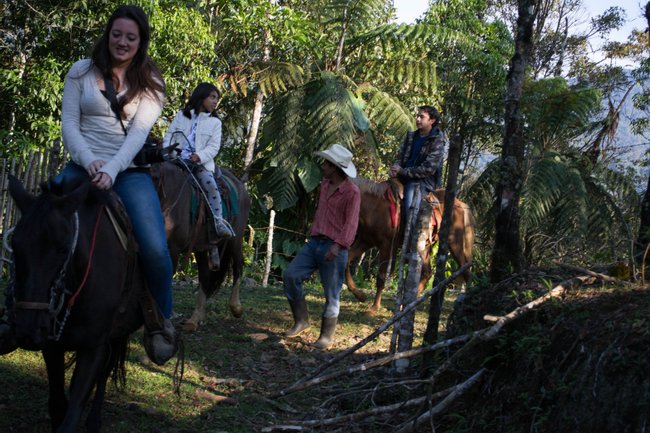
{"x": 309, "y": 118}
{"x": 557, "y": 113}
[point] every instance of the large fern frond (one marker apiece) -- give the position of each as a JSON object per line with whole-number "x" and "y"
{"x": 310, "y": 118}
{"x": 280, "y": 183}
{"x": 387, "y": 111}
{"x": 271, "y": 77}
{"x": 357, "y": 15}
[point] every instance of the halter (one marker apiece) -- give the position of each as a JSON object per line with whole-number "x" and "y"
{"x": 58, "y": 290}
{"x": 58, "y": 285}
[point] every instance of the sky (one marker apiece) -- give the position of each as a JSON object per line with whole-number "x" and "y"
{"x": 409, "y": 10}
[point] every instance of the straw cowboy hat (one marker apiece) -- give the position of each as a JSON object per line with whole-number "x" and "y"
{"x": 340, "y": 157}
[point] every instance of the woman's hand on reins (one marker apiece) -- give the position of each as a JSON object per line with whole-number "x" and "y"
{"x": 102, "y": 180}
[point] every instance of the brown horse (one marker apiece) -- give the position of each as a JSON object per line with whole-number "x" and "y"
{"x": 187, "y": 231}
{"x": 377, "y": 228}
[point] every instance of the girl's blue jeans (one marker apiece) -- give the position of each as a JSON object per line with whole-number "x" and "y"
{"x": 139, "y": 196}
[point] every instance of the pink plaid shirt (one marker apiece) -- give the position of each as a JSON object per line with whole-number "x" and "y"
{"x": 337, "y": 217}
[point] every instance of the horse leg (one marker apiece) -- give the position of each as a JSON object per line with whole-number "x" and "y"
{"x": 425, "y": 275}
{"x": 198, "y": 315}
{"x": 57, "y": 401}
{"x": 208, "y": 282}
{"x": 355, "y": 252}
{"x": 236, "y": 251}
{"x": 94, "y": 419}
{"x": 456, "y": 243}
{"x": 384, "y": 258}
{"x": 89, "y": 365}
{"x": 381, "y": 282}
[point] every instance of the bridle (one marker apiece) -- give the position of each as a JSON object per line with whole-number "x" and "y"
{"x": 59, "y": 294}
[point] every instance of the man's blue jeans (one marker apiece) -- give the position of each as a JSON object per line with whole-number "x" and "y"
{"x": 409, "y": 196}
{"x": 138, "y": 194}
{"x": 309, "y": 259}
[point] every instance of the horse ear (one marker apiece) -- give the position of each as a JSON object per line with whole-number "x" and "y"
{"x": 70, "y": 202}
{"x": 22, "y": 198}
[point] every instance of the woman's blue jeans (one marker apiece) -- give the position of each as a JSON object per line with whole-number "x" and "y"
{"x": 309, "y": 259}
{"x": 140, "y": 199}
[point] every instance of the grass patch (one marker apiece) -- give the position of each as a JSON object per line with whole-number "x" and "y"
{"x": 231, "y": 365}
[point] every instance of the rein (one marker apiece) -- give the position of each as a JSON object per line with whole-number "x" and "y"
{"x": 61, "y": 324}
{"x": 58, "y": 283}
{"x": 58, "y": 290}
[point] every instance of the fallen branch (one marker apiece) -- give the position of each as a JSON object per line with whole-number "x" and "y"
{"x": 491, "y": 332}
{"x": 375, "y": 410}
{"x": 443, "y": 405}
{"x": 588, "y": 272}
{"x": 378, "y": 331}
{"x": 377, "y": 363}
{"x": 557, "y": 291}
{"x": 283, "y": 428}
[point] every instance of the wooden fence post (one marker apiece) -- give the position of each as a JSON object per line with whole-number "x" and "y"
{"x": 269, "y": 250}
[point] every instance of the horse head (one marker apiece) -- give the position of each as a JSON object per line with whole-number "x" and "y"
{"x": 43, "y": 243}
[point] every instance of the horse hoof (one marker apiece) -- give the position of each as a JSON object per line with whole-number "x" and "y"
{"x": 190, "y": 326}
{"x": 371, "y": 312}
{"x": 237, "y": 312}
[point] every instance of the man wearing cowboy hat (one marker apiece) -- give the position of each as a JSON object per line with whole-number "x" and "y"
{"x": 332, "y": 233}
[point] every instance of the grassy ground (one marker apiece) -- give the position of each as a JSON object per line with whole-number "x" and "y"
{"x": 231, "y": 367}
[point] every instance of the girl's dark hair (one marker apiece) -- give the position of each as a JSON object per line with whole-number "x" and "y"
{"x": 201, "y": 92}
{"x": 142, "y": 74}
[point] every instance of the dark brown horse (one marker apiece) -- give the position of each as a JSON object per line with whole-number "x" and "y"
{"x": 377, "y": 228}
{"x": 77, "y": 285}
{"x": 186, "y": 225}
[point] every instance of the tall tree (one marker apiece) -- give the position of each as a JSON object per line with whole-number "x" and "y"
{"x": 506, "y": 254}
{"x": 643, "y": 239}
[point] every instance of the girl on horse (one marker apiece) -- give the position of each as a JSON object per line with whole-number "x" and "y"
{"x": 199, "y": 124}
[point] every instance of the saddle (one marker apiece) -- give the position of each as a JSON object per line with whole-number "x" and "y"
{"x": 227, "y": 191}
{"x": 395, "y": 195}
{"x": 152, "y": 316}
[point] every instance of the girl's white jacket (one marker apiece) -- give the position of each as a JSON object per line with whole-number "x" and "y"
{"x": 208, "y": 136}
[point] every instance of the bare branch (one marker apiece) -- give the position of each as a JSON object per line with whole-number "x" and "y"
{"x": 443, "y": 405}
{"x": 371, "y": 337}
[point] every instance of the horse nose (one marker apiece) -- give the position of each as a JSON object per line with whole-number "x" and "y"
{"x": 32, "y": 330}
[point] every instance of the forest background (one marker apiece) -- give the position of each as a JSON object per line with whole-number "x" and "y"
{"x": 298, "y": 76}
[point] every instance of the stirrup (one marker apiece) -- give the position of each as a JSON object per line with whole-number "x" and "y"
{"x": 223, "y": 228}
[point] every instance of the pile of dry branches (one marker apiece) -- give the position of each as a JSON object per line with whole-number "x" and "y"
{"x": 409, "y": 413}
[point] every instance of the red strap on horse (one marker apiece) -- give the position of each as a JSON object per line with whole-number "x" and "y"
{"x": 73, "y": 298}
{"x": 393, "y": 206}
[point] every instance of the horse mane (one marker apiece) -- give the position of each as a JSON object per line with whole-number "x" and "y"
{"x": 378, "y": 189}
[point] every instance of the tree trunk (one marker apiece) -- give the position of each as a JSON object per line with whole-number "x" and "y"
{"x": 643, "y": 238}
{"x": 252, "y": 135}
{"x": 418, "y": 243}
{"x": 506, "y": 255}
{"x": 257, "y": 113}
{"x": 435, "y": 305}
{"x": 644, "y": 229}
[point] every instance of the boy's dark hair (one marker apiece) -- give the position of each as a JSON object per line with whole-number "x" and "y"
{"x": 431, "y": 111}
